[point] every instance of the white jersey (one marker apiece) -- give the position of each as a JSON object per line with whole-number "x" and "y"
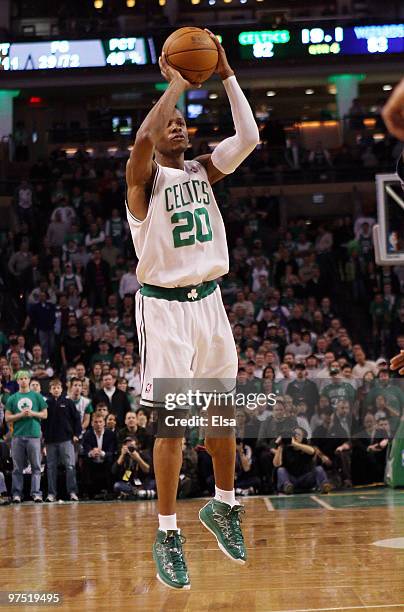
{"x": 182, "y": 240}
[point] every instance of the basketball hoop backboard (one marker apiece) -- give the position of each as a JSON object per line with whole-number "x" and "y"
{"x": 388, "y": 234}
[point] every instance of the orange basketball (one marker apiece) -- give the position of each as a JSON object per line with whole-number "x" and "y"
{"x": 192, "y": 52}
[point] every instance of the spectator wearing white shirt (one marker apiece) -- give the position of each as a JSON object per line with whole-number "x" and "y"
{"x": 129, "y": 283}
{"x": 69, "y": 278}
{"x": 57, "y": 229}
{"x": 259, "y": 271}
{"x": 297, "y": 347}
{"x": 95, "y": 237}
{"x": 247, "y": 305}
{"x": 363, "y": 365}
{"x": 259, "y": 365}
{"x": 324, "y": 240}
{"x": 66, "y": 212}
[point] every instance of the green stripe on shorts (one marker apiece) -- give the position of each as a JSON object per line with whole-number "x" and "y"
{"x": 193, "y": 293}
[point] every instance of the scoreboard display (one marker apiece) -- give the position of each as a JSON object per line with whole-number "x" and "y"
{"x": 305, "y": 43}
{"x": 68, "y": 54}
{"x": 262, "y": 45}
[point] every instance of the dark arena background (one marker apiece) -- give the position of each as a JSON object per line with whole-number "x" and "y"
{"x": 314, "y": 296}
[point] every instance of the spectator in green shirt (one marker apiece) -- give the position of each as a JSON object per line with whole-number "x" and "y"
{"x": 24, "y": 410}
{"x": 337, "y": 390}
{"x": 392, "y": 394}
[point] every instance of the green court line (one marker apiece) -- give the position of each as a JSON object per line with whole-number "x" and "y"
{"x": 360, "y": 498}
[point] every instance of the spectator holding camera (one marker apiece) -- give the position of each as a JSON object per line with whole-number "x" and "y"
{"x": 133, "y": 470}
{"x": 61, "y": 430}
{"x": 247, "y": 482}
{"x": 25, "y": 410}
{"x": 274, "y": 426}
{"x": 294, "y": 460}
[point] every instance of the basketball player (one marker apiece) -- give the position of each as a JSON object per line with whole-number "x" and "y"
{"x": 393, "y": 115}
{"x": 183, "y": 330}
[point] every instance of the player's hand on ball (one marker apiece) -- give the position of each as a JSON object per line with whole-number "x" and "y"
{"x": 397, "y": 363}
{"x": 171, "y": 74}
{"x": 223, "y": 68}
{"x": 393, "y": 113}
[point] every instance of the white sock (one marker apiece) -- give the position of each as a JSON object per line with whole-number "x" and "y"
{"x": 167, "y": 522}
{"x": 226, "y": 497}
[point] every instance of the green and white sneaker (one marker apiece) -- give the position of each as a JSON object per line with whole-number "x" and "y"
{"x": 224, "y": 522}
{"x": 169, "y": 558}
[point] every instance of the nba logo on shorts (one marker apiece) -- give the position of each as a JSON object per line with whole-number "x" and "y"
{"x": 148, "y": 387}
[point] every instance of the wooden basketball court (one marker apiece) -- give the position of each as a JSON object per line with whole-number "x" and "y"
{"x": 306, "y": 553}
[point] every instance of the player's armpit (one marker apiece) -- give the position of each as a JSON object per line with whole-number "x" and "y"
{"x": 138, "y": 197}
{"x": 214, "y": 175}
{"x": 140, "y": 165}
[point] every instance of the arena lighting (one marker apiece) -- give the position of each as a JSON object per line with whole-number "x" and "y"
{"x": 98, "y": 4}
{"x": 309, "y": 92}
{"x": 271, "y": 93}
{"x": 369, "y": 122}
{"x": 227, "y": 1}
{"x": 195, "y": 1}
{"x": 130, "y": 3}
{"x": 315, "y": 124}
{"x": 162, "y": 2}
{"x": 212, "y": 2}
{"x": 387, "y": 87}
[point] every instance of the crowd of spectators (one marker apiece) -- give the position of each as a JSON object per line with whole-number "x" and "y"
{"x": 314, "y": 319}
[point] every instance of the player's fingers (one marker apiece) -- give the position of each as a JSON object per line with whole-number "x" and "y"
{"x": 214, "y": 38}
{"x": 164, "y": 62}
{"x": 397, "y": 362}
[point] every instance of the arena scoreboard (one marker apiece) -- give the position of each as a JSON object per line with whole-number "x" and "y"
{"x": 68, "y": 54}
{"x": 305, "y": 44}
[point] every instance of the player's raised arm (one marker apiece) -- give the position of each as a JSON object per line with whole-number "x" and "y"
{"x": 140, "y": 168}
{"x": 393, "y": 112}
{"x": 231, "y": 152}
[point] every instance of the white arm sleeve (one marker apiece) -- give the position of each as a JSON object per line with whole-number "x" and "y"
{"x": 230, "y": 153}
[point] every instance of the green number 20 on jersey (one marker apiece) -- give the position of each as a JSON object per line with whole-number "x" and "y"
{"x": 195, "y": 226}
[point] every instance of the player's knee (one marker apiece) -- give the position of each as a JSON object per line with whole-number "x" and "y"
{"x": 167, "y": 443}
{"x": 215, "y": 445}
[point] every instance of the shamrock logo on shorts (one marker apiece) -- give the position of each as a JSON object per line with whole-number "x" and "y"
{"x": 193, "y": 294}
